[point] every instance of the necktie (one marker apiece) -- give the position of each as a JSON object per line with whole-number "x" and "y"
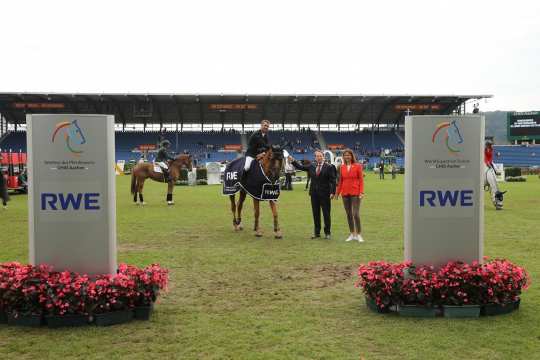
{"x": 318, "y": 169}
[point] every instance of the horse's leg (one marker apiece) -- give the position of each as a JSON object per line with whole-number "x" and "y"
{"x": 134, "y": 186}
{"x": 239, "y": 209}
{"x": 277, "y": 230}
{"x": 140, "y": 191}
{"x": 170, "y": 187}
{"x": 232, "y": 198}
{"x": 256, "y": 208}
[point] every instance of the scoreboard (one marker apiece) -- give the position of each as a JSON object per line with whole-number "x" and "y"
{"x": 524, "y": 125}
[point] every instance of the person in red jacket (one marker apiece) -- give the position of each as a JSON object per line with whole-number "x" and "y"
{"x": 351, "y": 188}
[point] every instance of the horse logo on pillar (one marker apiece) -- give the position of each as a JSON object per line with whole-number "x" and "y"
{"x": 452, "y": 136}
{"x": 73, "y": 136}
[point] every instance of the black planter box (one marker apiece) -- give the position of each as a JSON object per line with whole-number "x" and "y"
{"x": 56, "y": 321}
{"x": 143, "y": 312}
{"x": 372, "y": 305}
{"x": 417, "y": 311}
{"x": 113, "y": 318}
{"x": 498, "y": 309}
{"x": 463, "y": 311}
{"x": 25, "y": 320}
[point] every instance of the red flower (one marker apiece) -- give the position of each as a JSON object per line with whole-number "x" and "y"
{"x": 27, "y": 289}
{"x": 456, "y": 283}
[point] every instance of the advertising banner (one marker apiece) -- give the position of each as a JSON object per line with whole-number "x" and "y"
{"x": 444, "y": 198}
{"x": 71, "y": 198}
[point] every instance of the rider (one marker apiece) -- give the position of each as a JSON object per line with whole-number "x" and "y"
{"x": 490, "y": 175}
{"x": 488, "y": 154}
{"x": 258, "y": 144}
{"x": 163, "y": 157}
{"x": 3, "y": 188}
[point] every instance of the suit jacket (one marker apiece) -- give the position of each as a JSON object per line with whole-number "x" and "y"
{"x": 325, "y": 183}
{"x": 351, "y": 182}
{"x": 257, "y": 144}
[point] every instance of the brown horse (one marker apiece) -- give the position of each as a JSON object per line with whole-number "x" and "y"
{"x": 272, "y": 163}
{"x": 143, "y": 171}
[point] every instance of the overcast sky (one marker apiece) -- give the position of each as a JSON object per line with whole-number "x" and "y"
{"x": 271, "y": 47}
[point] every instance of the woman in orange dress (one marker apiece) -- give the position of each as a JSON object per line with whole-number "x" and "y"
{"x": 351, "y": 189}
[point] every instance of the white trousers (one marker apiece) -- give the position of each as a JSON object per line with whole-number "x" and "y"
{"x": 249, "y": 160}
{"x": 490, "y": 179}
{"x": 163, "y": 165}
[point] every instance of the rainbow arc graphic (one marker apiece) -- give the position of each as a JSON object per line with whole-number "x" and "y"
{"x": 452, "y": 136}
{"x": 72, "y": 135}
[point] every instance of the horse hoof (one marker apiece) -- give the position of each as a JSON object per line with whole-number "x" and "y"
{"x": 258, "y": 234}
{"x": 170, "y": 202}
{"x": 240, "y": 227}
{"x": 143, "y": 203}
{"x": 278, "y": 235}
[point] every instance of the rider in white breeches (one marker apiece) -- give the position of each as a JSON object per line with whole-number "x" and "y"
{"x": 490, "y": 177}
{"x": 163, "y": 157}
{"x": 258, "y": 143}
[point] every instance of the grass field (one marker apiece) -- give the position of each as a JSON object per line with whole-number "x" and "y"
{"x": 234, "y": 296}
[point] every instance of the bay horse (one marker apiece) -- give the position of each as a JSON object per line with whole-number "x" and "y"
{"x": 143, "y": 171}
{"x": 272, "y": 163}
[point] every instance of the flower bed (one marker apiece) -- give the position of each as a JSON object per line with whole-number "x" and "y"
{"x": 496, "y": 283}
{"x": 73, "y": 299}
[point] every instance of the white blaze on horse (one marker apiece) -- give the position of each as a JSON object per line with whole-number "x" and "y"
{"x": 143, "y": 171}
{"x": 261, "y": 183}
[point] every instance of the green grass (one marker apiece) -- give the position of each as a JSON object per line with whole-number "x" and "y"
{"x": 233, "y": 296}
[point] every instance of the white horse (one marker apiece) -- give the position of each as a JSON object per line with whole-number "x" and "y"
{"x": 490, "y": 182}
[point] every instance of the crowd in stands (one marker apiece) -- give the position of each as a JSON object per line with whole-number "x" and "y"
{"x": 209, "y": 145}
{"x": 297, "y": 142}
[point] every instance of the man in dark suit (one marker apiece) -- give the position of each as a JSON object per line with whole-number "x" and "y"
{"x": 258, "y": 144}
{"x": 321, "y": 190}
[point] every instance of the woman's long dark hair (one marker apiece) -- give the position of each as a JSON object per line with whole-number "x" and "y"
{"x": 353, "y": 158}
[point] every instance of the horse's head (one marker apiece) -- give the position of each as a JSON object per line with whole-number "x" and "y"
{"x": 272, "y": 162}
{"x": 184, "y": 161}
{"x": 276, "y": 152}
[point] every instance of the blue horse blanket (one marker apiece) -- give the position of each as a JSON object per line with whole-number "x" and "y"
{"x": 257, "y": 184}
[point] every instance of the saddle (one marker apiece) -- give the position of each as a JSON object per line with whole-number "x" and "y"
{"x": 160, "y": 169}
{"x": 256, "y": 183}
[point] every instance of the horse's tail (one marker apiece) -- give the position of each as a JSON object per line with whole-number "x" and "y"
{"x": 133, "y": 183}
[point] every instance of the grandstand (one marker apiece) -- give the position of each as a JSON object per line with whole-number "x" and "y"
{"x": 517, "y": 155}
{"x": 216, "y": 127}
{"x": 209, "y": 146}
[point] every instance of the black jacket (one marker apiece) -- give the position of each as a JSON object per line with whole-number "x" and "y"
{"x": 163, "y": 155}
{"x": 3, "y": 188}
{"x": 257, "y": 144}
{"x": 325, "y": 183}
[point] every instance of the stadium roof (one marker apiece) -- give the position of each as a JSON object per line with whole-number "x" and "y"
{"x": 234, "y": 109}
